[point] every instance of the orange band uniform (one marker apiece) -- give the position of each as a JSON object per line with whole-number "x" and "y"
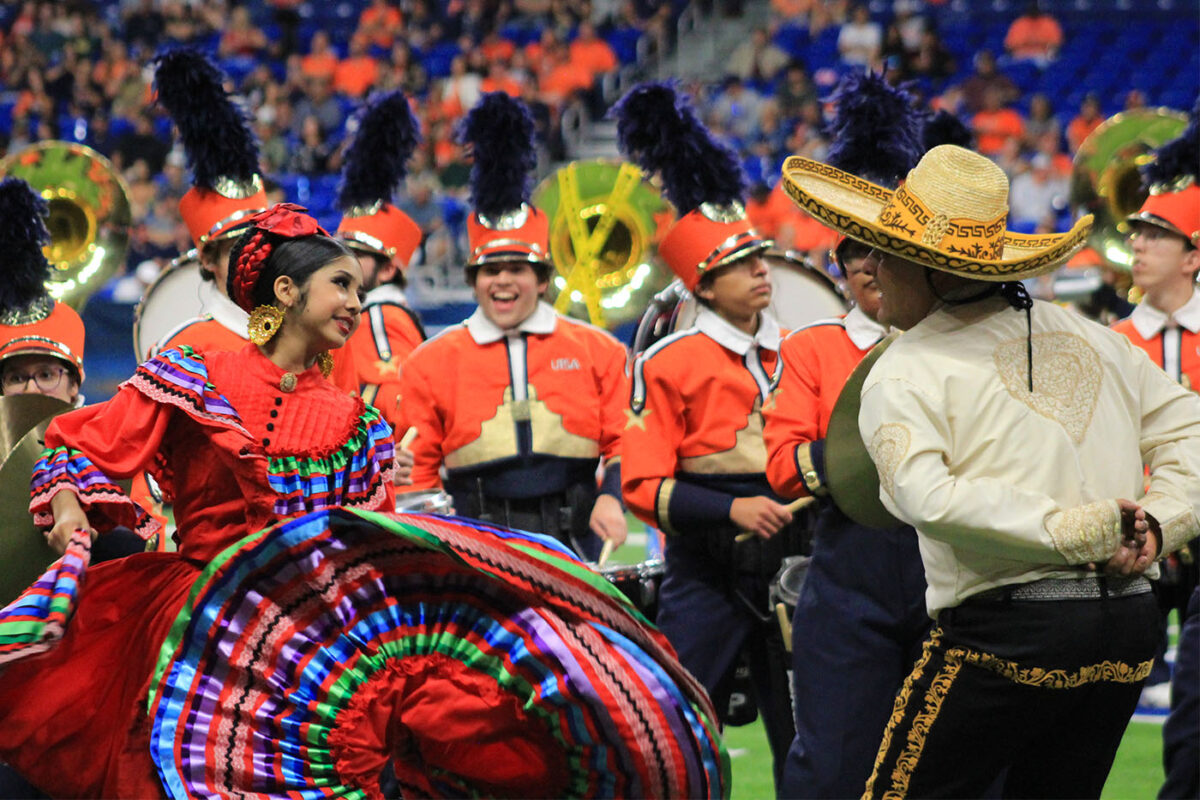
{"x": 459, "y": 397}
{"x": 388, "y": 333}
{"x": 703, "y": 426}
{"x": 817, "y": 360}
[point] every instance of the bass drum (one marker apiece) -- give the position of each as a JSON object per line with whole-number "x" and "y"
{"x": 802, "y": 295}
{"x": 177, "y": 294}
{"x": 425, "y": 501}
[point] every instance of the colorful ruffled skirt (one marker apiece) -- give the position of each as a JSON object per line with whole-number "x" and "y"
{"x": 309, "y": 656}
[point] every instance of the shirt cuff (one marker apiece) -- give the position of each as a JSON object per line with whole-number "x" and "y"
{"x": 611, "y": 485}
{"x": 1088, "y": 533}
{"x": 810, "y": 466}
{"x": 1176, "y": 520}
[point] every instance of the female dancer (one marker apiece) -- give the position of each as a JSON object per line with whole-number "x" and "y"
{"x": 306, "y": 656}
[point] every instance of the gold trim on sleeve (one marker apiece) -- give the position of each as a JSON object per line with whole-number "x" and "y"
{"x": 888, "y": 447}
{"x": 1086, "y": 533}
{"x": 662, "y": 506}
{"x": 808, "y": 471}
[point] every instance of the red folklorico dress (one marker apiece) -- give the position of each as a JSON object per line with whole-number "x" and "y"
{"x": 299, "y": 640}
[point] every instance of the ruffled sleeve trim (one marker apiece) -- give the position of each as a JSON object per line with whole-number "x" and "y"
{"x": 66, "y": 469}
{"x": 179, "y": 377}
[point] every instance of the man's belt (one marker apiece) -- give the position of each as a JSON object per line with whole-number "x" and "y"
{"x": 1093, "y": 587}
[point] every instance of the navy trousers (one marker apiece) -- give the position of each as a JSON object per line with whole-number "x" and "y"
{"x": 856, "y": 632}
{"x": 708, "y": 625}
{"x": 1181, "y": 731}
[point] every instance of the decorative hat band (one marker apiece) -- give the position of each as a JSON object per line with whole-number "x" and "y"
{"x": 229, "y": 226}
{"x": 36, "y": 311}
{"x": 359, "y": 237}
{"x": 529, "y": 242}
{"x": 1178, "y": 212}
{"x": 387, "y": 232}
{"x": 696, "y": 243}
{"x": 23, "y": 345}
{"x": 906, "y": 215}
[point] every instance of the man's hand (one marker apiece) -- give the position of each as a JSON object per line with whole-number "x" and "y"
{"x": 762, "y": 516}
{"x": 402, "y": 465}
{"x": 1139, "y": 543}
{"x": 608, "y": 520}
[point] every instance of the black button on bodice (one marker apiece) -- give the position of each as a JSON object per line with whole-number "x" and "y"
{"x": 270, "y": 426}
{"x": 274, "y": 412}
{"x": 245, "y": 451}
{"x": 266, "y": 442}
{"x": 278, "y": 401}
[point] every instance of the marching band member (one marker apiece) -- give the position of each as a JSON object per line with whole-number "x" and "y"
{"x": 41, "y": 339}
{"x": 694, "y": 458}
{"x": 226, "y": 189}
{"x": 860, "y": 619}
{"x": 384, "y": 238}
{"x": 1166, "y": 323}
{"x": 301, "y": 641}
{"x": 518, "y": 404}
{"x": 1011, "y": 434}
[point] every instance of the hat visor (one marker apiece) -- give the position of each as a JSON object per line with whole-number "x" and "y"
{"x": 751, "y": 247}
{"x": 852, "y": 206}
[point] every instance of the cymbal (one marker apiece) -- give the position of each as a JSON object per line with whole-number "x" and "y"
{"x": 850, "y": 473}
{"x": 20, "y": 412}
{"x": 23, "y": 548}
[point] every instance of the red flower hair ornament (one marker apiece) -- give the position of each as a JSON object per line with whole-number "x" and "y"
{"x": 283, "y": 220}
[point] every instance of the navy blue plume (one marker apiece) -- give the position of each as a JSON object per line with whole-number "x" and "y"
{"x": 22, "y": 234}
{"x": 942, "y": 127}
{"x": 499, "y": 130}
{"x": 377, "y": 159}
{"x": 1178, "y": 158}
{"x": 658, "y": 128}
{"x": 214, "y": 128}
{"x": 876, "y": 130}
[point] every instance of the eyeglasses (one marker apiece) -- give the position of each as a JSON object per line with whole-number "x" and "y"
{"x": 46, "y": 378}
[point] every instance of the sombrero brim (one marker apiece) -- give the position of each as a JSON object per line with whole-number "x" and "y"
{"x": 852, "y": 206}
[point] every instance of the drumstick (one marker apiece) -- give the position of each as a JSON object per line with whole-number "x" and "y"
{"x": 605, "y": 552}
{"x": 792, "y": 507}
{"x": 408, "y": 437}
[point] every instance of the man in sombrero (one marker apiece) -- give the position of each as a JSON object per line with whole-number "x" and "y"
{"x": 1011, "y": 434}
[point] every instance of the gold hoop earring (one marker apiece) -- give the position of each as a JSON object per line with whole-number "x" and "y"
{"x": 325, "y": 362}
{"x": 265, "y": 322}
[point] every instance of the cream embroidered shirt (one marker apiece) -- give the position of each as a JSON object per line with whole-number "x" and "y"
{"x": 1006, "y": 486}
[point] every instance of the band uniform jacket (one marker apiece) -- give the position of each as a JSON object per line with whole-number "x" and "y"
{"x": 388, "y": 333}
{"x": 523, "y": 407}
{"x": 693, "y": 440}
{"x": 1174, "y": 347}
{"x": 817, "y": 360}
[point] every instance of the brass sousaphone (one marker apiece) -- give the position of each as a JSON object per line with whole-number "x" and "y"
{"x": 1105, "y": 181}
{"x": 604, "y": 221}
{"x": 89, "y": 214}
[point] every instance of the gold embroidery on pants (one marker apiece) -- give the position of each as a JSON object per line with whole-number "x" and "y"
{"x": 1104, "y": 672}
{"x": 939, "y": 687}
{"x": 901, "y": 703}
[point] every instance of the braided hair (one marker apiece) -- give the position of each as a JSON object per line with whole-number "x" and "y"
{"x": 260, "y": 256}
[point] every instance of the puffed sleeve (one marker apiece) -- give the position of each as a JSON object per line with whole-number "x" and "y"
{"x": 906, "y": 434}
{"x": 791, "y": 423}
{"x": 88, "y": 449}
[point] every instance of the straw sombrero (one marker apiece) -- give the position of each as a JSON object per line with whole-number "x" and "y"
{"x": 949, "y": 214}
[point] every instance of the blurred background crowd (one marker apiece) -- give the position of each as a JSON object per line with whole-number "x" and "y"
{"x": 1030, "y": 80}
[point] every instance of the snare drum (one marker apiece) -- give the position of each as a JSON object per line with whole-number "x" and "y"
{"x": 428, "y": 501}
{"x": 176, "y": 295}
{"x": 639, "y": 582}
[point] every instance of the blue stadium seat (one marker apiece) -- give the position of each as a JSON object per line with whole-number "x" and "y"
{"x": 624, "y": 42}
{"x": 437, "y": 59}
{"x": 793, "y": 39}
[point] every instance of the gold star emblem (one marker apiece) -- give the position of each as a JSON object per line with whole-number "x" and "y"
{"x": 636, "y": 420}
{"x": 771, "y": 398}
{"x": 389, "y": 365}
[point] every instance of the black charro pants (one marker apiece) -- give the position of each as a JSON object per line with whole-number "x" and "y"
{"x": 1040, "y": 691}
